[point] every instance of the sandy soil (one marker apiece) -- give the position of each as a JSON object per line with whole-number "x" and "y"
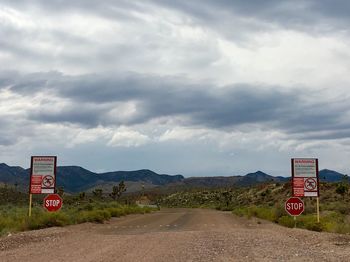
{"x": 175, "y": 235}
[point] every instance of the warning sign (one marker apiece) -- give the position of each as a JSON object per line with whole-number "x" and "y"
{"x": 43, "y": 174}
{"x": 305, "y": 177}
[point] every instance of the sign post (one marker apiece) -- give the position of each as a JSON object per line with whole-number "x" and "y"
{"x": 30, "y": 205}
{"x": 42, "y": 176}
{"x": 294, "y": 206}
{"x": 318, "y": 209}
{"x": 305, "y": 179}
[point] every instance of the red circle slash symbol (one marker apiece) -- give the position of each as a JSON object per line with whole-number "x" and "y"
{"x": 310, "y": 184}
{"x": 48, "y": 181}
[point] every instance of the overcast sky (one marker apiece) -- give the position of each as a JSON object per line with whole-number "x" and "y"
{"x": 196, "y": 87}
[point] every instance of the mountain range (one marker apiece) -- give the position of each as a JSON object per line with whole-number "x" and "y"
{"x": 77, "y": 179}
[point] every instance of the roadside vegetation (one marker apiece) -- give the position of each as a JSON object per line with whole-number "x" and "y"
{"x": 266, "y": 201}
{"x": 76, "y": 209}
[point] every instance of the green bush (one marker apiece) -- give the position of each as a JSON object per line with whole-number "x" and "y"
{"x": 14, "y": 219}
{"x": 116, "y": 212}
{"x": 342, "y": 228}
{"x": 314, "y": 226}
{"x": 97, "y": 216}
{"x": 342, "y": 189}
{"x": 240, "y": 211}
{"x": 286, "y": 221}
{"x": 88, "y": 207}
{"x": 342, "y": 208}
{"x": 45, "y": 219}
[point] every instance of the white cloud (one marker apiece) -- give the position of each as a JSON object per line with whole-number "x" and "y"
{"x": 126, "y": 137}
{"x": 182, "y": 134}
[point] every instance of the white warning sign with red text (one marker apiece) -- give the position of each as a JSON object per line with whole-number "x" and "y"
{"x": 43, "y": 175}
{"x": 305, "y": 177}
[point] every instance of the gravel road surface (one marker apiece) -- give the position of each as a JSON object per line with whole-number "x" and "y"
{"x": 175, "y": 235}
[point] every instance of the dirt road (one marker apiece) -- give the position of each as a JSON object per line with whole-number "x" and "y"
{"x": 175, "y": 235}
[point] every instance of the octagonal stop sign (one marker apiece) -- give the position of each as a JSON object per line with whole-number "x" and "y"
{"x": 53, "y": 202}
{"x": 294, "y": 206}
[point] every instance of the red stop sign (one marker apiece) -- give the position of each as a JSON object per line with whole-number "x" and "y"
{"x": 294, "y": 206}
{"x": 53, "y": 202}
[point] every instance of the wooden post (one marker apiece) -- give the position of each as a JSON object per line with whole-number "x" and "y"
{"x": 318, "y": 209}
{"x": 30, "y": 205}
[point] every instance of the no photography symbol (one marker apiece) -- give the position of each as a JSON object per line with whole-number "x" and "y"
{"x": 310, "y": 184}
{"x": 48, "y": 181}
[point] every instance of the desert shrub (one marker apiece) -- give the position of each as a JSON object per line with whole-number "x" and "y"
{"x": 14, "y": 219}
{"x": 342, "y": 228}
{"x": 240, "y": 211}
{"x": 264, "y": 213}
{"x": 6, "y": 223}
{"x": 267, "y": 213}
{"x": 309, "y": 208}
{"x": 45, "y": 219}
{"x": 97, "y": 216}
{"x": 88, "y": 207}
{"x": 286, "y": 221}
{"x": 342, "y": 208}
{"x": 224, "y": 208}
{"x": 314, "y": 226}
{"x": 342, "y": 189}
{"x": 116, "y": 212}
{"x": 279, "y": 212}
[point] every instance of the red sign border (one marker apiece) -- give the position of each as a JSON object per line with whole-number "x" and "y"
{"x": 31, "y": 172}
{"x": 317, "y": 176}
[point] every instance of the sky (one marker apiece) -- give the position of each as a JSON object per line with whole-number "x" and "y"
{"x": 198, "y": 88}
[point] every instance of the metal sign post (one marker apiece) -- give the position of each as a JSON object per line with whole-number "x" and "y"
{"x": 42, "y": 177}
{"x": 30, "y": 205}
{"x": 305, "y": 179}
{"x": 318, "y": 209}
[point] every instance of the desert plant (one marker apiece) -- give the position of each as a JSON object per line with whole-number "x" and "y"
{"x": 118, "y": 190}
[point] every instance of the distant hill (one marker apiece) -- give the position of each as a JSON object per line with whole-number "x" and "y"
{"x": 77, "y": 179}
{"x": 221, "y": 181}
{"x": 260, "y": 177}
{"x": 13, "y": 175}
{"x": 327, "y": 175}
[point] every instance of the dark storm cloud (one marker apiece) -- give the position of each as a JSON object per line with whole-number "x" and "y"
{"x": 312, "y": 15}
{"x": 8, "y": 135}
{"x": 109, "y": 8}
{"x": 5, "y": 141}
{"x": 32, "y": 83}
{"x": 23, "y": 43}
{"x": 94, "y": 98}
{"x": 7, "y": 78}
{"x": 83, "y": 115}
{"x": 327, "y": 135}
